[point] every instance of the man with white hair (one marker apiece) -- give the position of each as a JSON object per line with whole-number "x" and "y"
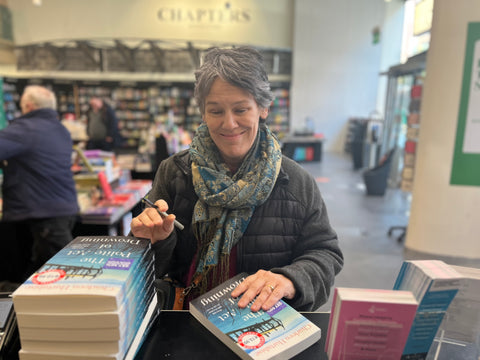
{"x": 38, "y": 190}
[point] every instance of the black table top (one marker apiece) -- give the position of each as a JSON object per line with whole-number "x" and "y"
{"x": 178, "y": 335}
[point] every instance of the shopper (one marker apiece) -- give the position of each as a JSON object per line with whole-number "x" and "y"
{"x": 245, "y": 207}
{"x": 102, "y": 126}
{"x": 39, "y": 196}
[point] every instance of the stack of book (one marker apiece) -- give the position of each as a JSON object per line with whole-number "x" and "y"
{"x": 434, "y": 284}
{"x": 121, "y": 200}
{"x": 369, "y": 323}
{"x": 136, "y": 187}
{"x": 89, "y": 301}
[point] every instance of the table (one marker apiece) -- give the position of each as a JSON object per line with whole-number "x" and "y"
{"x": 117, "y": 220}
{"x": 303, "y": 148}
{"x": 178, "y": 335}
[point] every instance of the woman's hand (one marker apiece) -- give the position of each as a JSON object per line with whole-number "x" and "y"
{"x": 269, "y": 287}
{"x": 151, "y": 225}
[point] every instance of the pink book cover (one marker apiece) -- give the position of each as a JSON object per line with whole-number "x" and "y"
{"x": 370, "y": 329}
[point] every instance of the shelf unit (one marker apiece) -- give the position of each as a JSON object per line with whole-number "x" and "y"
{"x": 278, "y": 117}
{"x": 410, "y": 149}
{"x": 140, "y": 107}
{"x": 11, "y": 99}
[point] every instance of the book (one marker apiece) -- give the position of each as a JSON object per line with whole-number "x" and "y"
{"x": 99, "y": 320}
{"x": 101, "y": 267}
{"x": 369, "y": 323}
{"x": 461, "y": 322}
{"x": 85, "y": 327}
{"x": 278, "y": 333}
{"x": 434, "y": 284}
{"x": 90, "y": 350}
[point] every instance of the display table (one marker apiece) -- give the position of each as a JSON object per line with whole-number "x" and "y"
{"x": 113, "y": 217}
{"x": 178, "y": 335}
{"x": 303, "y": 148}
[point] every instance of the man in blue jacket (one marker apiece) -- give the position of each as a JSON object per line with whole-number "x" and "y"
{"x": 38, "y": 190}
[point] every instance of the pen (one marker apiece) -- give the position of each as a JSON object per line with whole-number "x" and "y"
{"x": 163, "y": 213}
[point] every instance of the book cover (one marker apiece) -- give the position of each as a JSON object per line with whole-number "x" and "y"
{"x": 91, "y": 273}
{"x": 369, "y": 323}
{"x": 81, "y": 327}
{"x": 434, "y": 285}
{"x": 278, "y": 333}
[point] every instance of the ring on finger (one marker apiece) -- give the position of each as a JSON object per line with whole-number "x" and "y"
{"x": 271, "y": 287}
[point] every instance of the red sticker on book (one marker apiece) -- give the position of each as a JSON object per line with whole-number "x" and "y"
{"x": 251, "y": 340}
{"x": 48, "y": 276}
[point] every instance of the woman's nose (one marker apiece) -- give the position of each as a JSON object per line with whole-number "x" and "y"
{"x": 229, "y": 120}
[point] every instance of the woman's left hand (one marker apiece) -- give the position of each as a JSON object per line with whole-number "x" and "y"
{"x": 268, "y": 287}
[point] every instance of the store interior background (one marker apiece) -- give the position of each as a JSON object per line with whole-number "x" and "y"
{"x": 338, "y": 71}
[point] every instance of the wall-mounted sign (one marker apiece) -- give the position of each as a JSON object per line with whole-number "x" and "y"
{"x": 223, "y": 14}
{"x": 466, "y": 159}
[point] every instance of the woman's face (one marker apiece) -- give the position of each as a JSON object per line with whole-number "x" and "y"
{"x": 232, "y": 117}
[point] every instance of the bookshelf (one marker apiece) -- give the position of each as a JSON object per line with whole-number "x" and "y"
{"x": 141, "y": 107}
{"x": 278, "y": 117}
{"x": 11, "y": 99}
{"x": 410, "y": 148}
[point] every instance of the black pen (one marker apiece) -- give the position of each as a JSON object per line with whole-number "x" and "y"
{"x": 163, "y": 213}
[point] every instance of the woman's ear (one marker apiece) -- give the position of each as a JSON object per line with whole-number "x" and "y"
{"x": 264, "y": 113}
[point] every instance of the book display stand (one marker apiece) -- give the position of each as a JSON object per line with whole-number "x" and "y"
{"x": 448, "y": 349}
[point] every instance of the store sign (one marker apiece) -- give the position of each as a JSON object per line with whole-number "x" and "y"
{"x": 204, "y": 16}
{"x": 466, "y": 159}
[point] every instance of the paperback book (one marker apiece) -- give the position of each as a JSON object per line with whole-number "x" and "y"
{"x": 101, "y": 267}
{"x": 278, "y": 333}
{"x": 369, "y": 323}
{"x": 69, "y": 350}
{"x": 92, "y": 351}
{"x": 434, "y": 285}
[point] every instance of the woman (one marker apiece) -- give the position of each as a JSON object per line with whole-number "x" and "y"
{"x": 245, "y": 207}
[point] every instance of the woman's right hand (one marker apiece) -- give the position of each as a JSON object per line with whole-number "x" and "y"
{"x": 151, "y": 225}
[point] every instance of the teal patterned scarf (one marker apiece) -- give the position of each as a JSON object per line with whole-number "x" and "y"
{"x": 226, "y": 202}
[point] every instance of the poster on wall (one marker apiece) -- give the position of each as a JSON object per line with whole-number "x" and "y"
{"x": 466, "y": 157}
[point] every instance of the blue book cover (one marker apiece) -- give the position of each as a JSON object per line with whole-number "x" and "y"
{"x": 91, "y": 273}
{"x": 434, "y": 284}
{"x": 279, "y": 332}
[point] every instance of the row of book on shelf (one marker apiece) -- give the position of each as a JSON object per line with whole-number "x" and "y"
{"x": 95, "y": 299}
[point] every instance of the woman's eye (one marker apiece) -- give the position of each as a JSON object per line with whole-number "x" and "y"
{"x": 215, "y": 112}
{"x": 240, "y": 111}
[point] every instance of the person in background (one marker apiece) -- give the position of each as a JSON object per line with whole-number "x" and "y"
{"x": 102, "y": 125}
{"x": 39, "y": 196}
{"x": 245, "y": 207}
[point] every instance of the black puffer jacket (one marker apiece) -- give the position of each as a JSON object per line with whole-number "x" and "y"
{"x": 289, "y": 234}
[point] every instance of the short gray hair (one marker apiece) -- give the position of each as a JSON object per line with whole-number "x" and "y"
{"x": 40, "y": 97}
{"x": 243, "y": 67}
